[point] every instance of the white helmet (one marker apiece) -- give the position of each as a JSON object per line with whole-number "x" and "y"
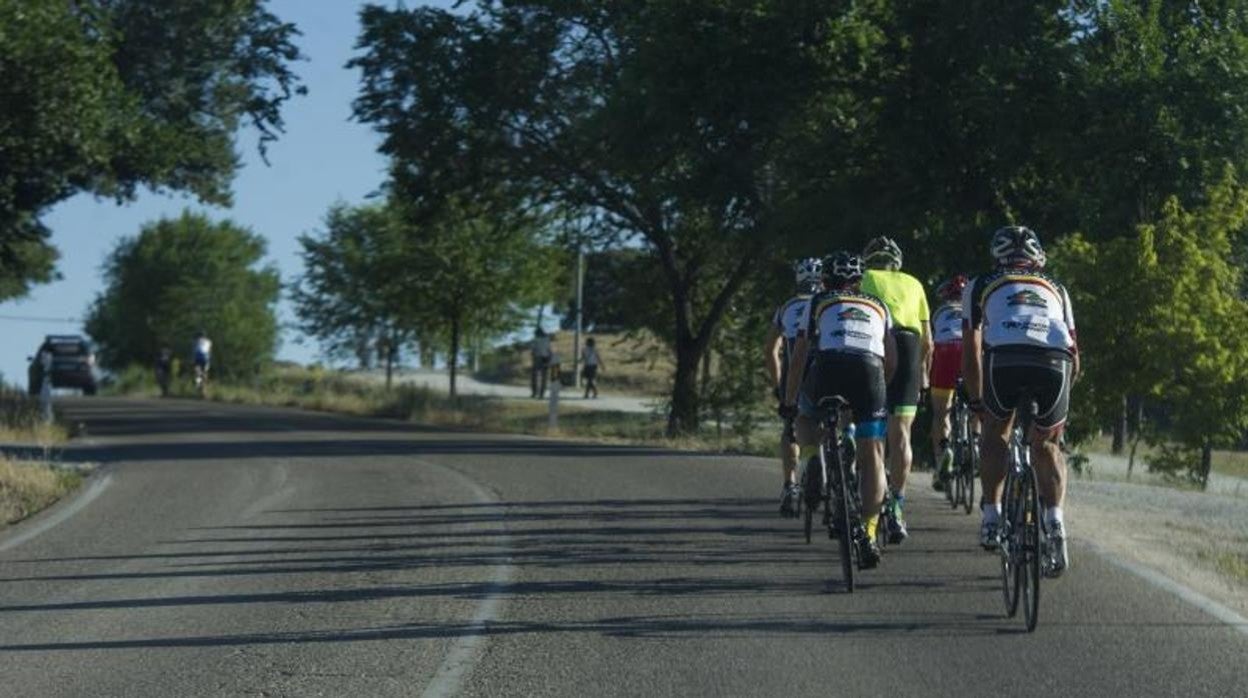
{"x": 808, "y": 273}
{"x": 1016, "y": 245}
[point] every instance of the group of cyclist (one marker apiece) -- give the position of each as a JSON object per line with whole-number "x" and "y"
{"x": 860, "y": 328}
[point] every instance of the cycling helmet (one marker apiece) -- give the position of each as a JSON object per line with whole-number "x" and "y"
{"x": 951, "y": 290}
{"x": 808, "y": 273}
{"x": 1016, "y": 245}
{"x": 842, "y": 268}
{"x": 882, "y": 252}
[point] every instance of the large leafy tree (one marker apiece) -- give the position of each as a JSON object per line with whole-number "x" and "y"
{"x": 349, "y": 297}
{"x": 678, "y": 123}
{"x": 106, "y": 96}
{"x": 180, "y": 276}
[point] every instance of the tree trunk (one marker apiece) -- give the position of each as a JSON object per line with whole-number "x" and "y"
{"x": 1120, "y": 427}
{"x": 452, "y": 361}
{"x": 1206, "y": 463}
{"x": 683, "y": 418}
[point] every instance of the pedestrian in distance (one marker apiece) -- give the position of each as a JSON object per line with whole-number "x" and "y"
{"x": 589, "y": 372}
{"x": 539, "y": 355}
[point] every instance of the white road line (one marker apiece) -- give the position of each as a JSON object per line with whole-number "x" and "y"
{"x": 61, "y": 515}
{"x": 465, "y": 651}
{"x": 1193, "y": 597}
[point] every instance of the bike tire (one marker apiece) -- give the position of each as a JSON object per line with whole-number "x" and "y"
{"x": 970, "y": 476}
{"x": 1009, "y": 563}
{"x": 839, "y": 502}
{"x": 1029, "y": 570}
{"x": 810, "y": 484}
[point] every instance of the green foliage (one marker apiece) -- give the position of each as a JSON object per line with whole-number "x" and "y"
{"x": 350, "y": 296}
{"x": 179, "y": 276}
{"x": 106, "y": 96}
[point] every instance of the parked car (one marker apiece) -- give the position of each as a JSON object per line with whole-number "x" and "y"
{"x": 73, "y": 364}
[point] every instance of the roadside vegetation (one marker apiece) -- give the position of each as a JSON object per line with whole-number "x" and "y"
{"x": 27, "y": 485}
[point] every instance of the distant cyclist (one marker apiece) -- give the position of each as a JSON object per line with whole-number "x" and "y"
{"x": 202, "y": 357}
{"x": 854, "y": 354}
{"x": 1020, "y": 335}
{"x": 907, "y": 302}
{"x": 784, "y": 329}
{"x": 946, "y": 367}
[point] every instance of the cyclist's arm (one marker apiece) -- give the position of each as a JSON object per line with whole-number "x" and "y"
{"x": 772, "y": 352}
{"x": 797, "y": 367}
{"x": 890, "y": 356}
{"x": 972, "y": 361}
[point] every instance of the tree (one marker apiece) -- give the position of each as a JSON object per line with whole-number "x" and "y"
{"x": 106, "y": 96}
{"x": 349, "y": 297}
{"x": 471, "y": 271}
{"x": 180, "y": 276}
{"x": 676, "y": 122}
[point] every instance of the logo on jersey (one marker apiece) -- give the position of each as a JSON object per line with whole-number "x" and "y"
{"x": 852, "y": 314}
{"x": 1029, "y": 298}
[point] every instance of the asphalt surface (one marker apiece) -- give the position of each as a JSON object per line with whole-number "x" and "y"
{"x": 243, "y": 551}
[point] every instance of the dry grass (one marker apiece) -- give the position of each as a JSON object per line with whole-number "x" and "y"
{"x": 22, "y": 422}
{"x": 1234, "y": 463}
{"x": 26, "y": 488}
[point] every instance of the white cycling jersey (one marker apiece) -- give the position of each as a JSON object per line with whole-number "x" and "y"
{"x": 203, "y": 346}
{"x": 947, "y": 324}
{"x": 788, "y": 317}
{"x": 1020, "y": 309}
{"x": 848, "y": 322}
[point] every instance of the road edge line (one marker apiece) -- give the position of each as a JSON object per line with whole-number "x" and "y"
{"x": 465, "y": 651}
{"x": 1161, "y": 581}
{"x": 60, "y": 515}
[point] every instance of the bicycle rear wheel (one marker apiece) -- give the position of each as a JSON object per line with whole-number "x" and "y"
{"x": 970, "y": 473}
{"x": 1009, "y": 534}
{"x": 839, "y": 502}
{"x": 812, "y": 492}
{"x": 1029, "y": 570}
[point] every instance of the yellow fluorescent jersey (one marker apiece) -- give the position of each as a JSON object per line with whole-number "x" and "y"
{"x": 947, "y": 324}
{"x": 848, "y": 322}
{"x": 903, "y": 294}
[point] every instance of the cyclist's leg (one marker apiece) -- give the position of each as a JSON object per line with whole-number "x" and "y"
{"x": 1046, "y": 453}
{"x": 903, "y": 402}
{"x": 866, "y": 395}
{"x": 1002, "y": 384}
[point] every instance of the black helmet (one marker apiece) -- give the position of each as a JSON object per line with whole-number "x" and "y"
{"x": 1016, "y": 245}
{"x": 882, "y": 252}
{"x": 841, "y": 268}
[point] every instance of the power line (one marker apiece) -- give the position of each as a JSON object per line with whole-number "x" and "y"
{"x": 34, "y": 318}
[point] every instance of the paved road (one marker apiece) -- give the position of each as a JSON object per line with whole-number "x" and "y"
{"x": 247, "y": 551}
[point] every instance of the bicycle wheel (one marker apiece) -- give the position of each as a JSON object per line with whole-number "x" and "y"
{"x": 970, "y": 475}
{"x": 1009, "y": 562}
{"x": 1029, "y": 569}
{"x": 812, "y": 492}
{"x": 955, "y": 482}
{"x": 839, "y": 501}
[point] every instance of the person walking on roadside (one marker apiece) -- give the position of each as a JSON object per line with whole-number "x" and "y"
{"x": 590, "y": 371}
{"x": 907, "y": 304}
{"x": 1019, "y": 342}
{"x": 785, "y": 325}
{"x": 539, "y": 354}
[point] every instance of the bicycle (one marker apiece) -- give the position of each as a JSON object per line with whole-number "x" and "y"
{"x": 837, "y": 483}
{"x": 812, "y": 478}
{"x": 201, "y": 380}
{"x": 965, "y": 453}
{"x": 1021, "y": 525}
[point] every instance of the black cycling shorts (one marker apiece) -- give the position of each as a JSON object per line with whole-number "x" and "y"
{"x": 857, "y": 377}
{"x": 903, "y": 389}
{"x": 1012, "y": 372}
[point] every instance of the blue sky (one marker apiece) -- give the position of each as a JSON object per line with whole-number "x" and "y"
{"x": 323, "y": 157}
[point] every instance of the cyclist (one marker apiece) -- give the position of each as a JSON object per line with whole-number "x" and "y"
{"x": 907, "y": 302}
{"x": 1019, "y": 334}
{"x": 854, "y": 354}
{"x": 784, "y": 327}
{"x": 946, "y": 367}
{"x": 202, "y": 356}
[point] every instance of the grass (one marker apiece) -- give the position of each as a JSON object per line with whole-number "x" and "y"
{"x": 1232, "y": 564}
{"x": 1233, "y": 463}
{"x": 27, "y": 488}
{"x": 21, "y": 421}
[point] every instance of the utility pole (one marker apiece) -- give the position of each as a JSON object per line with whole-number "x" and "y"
{"x": 580, "y": 315}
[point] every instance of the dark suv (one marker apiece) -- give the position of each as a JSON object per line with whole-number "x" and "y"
{"x": 73, "y": 364}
